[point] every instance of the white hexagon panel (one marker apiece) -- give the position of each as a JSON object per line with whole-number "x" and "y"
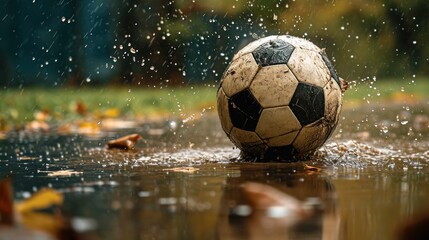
{"x": 274, "y": 86}
{"x": 239, "y": 74}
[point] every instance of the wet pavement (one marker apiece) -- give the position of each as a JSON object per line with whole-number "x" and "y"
{"x": 184, "y": 181}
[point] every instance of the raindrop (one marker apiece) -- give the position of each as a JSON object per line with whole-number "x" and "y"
{"x": 275, "y": 17}
{"x": 404, "y": 122}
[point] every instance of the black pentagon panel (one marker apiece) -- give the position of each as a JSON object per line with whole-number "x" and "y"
{"x": 331, "y": 68}
{"x": 273, "y": 52}
{"x": 283, "y": 153}
{"x": 244, "y": 110}
{"x": 308, "y": 103}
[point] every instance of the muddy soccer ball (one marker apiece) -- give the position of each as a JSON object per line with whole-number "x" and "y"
{"x": 279, "y": 99}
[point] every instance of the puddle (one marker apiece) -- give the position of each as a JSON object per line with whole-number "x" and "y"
{"x": 180, "y": 182}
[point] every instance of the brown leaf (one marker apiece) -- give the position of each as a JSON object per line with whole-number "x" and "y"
{"x": 182, "y": 169}
{"x": 311, "y": 168}
{"x": 268, "y": 199}
{"x": 80, "y": 108}
{"x": 6, "y": 203}
{"x": 125, "y": 143}
{"x": 344, "y": 85}
{"x": 42, "y": 116}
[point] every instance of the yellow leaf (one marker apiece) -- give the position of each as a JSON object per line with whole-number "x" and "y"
{"x": 48, "y": 223}
{"x": 404, "y": 98}
{"x": 111, "y": 113}
{"x": 45, "y": 198}
{"x": 89, "y": 127}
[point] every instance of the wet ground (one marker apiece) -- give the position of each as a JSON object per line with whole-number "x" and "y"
{"x": 184, "y": 181}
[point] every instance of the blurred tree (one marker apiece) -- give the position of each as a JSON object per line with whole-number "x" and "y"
{"x": 408, "y": 22}
{"x": 145, "y": 50}
{"x": 366, "y": 37}
{"x": 149, "y": 42}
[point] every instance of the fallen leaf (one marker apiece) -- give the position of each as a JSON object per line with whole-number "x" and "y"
{"x": 114, "y": 123}
{"x": 182, "y": 169}
{"x": 311, "y": 168}
{"x": 27, "y": 158}
{"x": 43, "y": 199}
{"x": 51, "y": 223}
{"x": 42, "y": 116}
{"x": 39, "y": 217}
{"x": 269, "y": 202}
{"x": 401, "y": 97}
{"x": 63, "y": 173}
{"x": 89, "y": 128}
{"x": 6, "y": 203}
{"x": 80, "y": 108}
{"x": 37, "y": 126}
{"x": 344, "y": 85}
{"x": 125, "y": 143}
{"x": 109, "y": 113}
{"x": 2, "y": 135}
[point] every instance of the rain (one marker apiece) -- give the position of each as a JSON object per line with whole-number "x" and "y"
{"x": 109, "y": 122}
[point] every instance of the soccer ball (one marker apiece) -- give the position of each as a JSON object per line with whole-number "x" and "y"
{"x": 279, "y": 99}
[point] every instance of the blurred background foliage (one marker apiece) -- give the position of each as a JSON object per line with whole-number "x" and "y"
{"x": 159, "y": 43}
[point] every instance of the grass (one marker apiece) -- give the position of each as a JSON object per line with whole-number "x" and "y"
{"x": 20, "y": 106}
{"x": 392, "y": 90}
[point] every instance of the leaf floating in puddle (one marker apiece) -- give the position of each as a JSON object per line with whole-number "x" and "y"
{"x": 43, "y": 199}
{"x": 125, "y": 143}
{"x": 27, "y": 158}
{"x": 63, "y": 173}
{"x": 39, "y": 217}
{"x": 182, "y": 169}
{"x": 311, "y": 168}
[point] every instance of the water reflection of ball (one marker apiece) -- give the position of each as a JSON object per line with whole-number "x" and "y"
{"x": 279, "y": 98}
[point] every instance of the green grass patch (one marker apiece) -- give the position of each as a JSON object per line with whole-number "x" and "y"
{"x": 19, "y": 106}
{"x": 394, "y": 90}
